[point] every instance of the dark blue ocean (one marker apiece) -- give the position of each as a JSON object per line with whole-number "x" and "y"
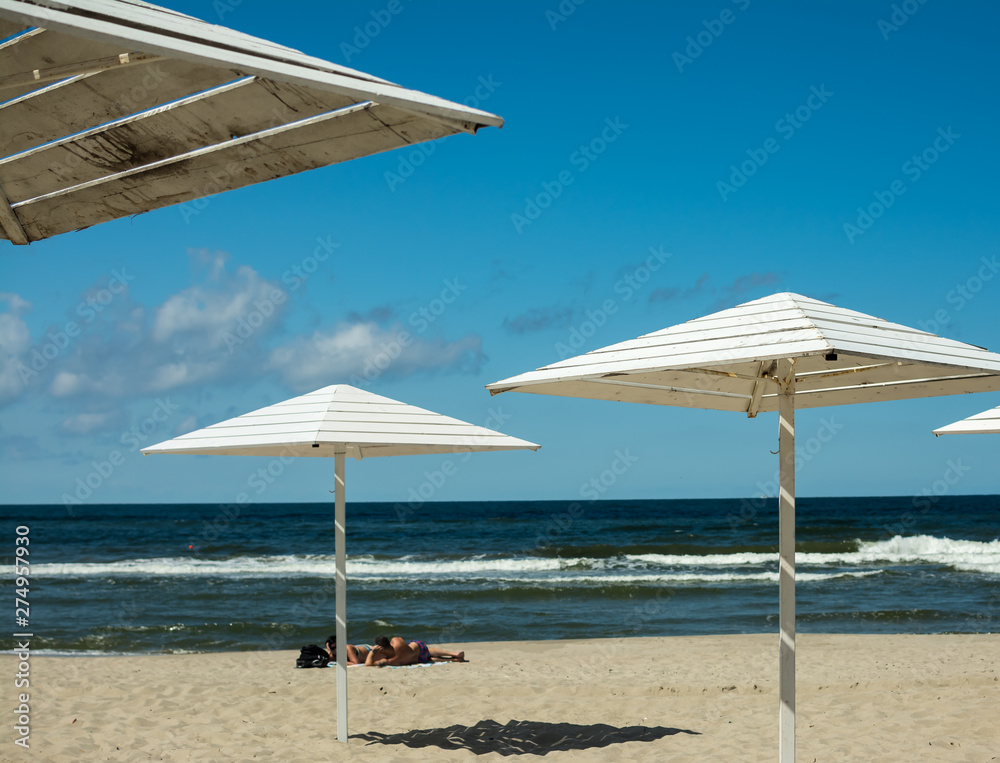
{"x": 201, "y": 578}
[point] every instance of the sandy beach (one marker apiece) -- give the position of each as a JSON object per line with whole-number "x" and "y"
{"x": 860, "y": 697}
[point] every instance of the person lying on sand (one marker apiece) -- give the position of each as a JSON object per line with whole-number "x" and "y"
{"x": 356, "y": 653}
{"x": 399, "y": 651}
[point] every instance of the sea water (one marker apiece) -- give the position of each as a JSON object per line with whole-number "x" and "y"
{"x": 117, "y": 579}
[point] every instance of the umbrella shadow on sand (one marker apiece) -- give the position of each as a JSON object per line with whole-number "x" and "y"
{"x": 522, "y": 737}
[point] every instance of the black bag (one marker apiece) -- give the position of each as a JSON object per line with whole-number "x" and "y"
{"x": 312, "y": 656}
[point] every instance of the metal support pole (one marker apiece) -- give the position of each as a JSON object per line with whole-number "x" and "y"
{"x": 786, "y": 548}
{"x": 340, "y": 544}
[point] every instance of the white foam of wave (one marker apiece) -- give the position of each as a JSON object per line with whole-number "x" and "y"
{"x": 460, "y": 567}
{"x": 687, "y": 577}
{"x": 273, "y": 565}
{"x": 298, "y": 565}
{"x": 967, "y": 555}
{"x": 708, "y": 560}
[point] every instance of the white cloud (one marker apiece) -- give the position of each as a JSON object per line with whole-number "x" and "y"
{"x": 365, "y": 351}
{"x": 209, "y": 332}
{"x": 188, "y": 425}
{"x": 15, "y": 341}
{"x": 218, "y": 333}
{"x": 85, "y": 423}
{"x": 206, "y": 315}
{"x": 66, "y": 384}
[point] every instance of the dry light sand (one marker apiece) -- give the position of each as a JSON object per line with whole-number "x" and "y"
{"x": 711, "y": 698}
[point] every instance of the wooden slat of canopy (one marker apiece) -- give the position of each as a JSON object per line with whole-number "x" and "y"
{"x": 316, "y": 142}
{"x": 172, "y": 130}
{"x": 368, "y": 424}
{"x": 841, "y": 356}
{"x": 89, "y": 100}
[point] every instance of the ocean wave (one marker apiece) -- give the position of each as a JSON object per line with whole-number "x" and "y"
{"x": 962, "y": 555}
{"x": 966, "y": 555}
{"x": 667, "y": 578}
{"x": 307, "y": 565}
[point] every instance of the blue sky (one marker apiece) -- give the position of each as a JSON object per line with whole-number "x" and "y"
{"x": 746, "y": 140}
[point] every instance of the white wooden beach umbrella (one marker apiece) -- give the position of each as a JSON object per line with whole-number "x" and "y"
{"x": 777, "y": 353}
{"x": 987, "y": 422}
{"x": 339, "y": 421}
{"x": 111, "y": 108}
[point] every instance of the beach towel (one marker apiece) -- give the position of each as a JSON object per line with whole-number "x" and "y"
{"x": 397, "y": 667}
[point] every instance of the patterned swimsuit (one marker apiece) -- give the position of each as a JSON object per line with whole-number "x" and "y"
{"x": 422, "y": 651}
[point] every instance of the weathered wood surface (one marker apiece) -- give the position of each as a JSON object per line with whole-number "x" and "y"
{"x": 85, "y": 102}
{"x": 44, "y": 49}
{"x": 135, "y": 137}
{"x": 9, "y": 28}
{"x": 306, "y": 145}
{"x": 216, "y": 116}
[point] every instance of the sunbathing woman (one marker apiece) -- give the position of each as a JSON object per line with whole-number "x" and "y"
{"x": 356, "y": 653}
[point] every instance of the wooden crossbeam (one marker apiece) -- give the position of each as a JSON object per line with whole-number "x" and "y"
{"x": 43, "y": 76}
{"x": 216, "y": 116}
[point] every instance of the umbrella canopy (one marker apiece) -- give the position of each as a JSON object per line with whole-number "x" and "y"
{"x": 777, "y": 353}
{"x": 339, "y": 421}
{"x": 111, "y": 108}
{"x": 987, "y": 422}
{"x": 728, "y": 360}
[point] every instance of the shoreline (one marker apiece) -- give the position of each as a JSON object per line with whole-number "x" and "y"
{"x": 466, "y": 644}
{"x": 859, "y": 697}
